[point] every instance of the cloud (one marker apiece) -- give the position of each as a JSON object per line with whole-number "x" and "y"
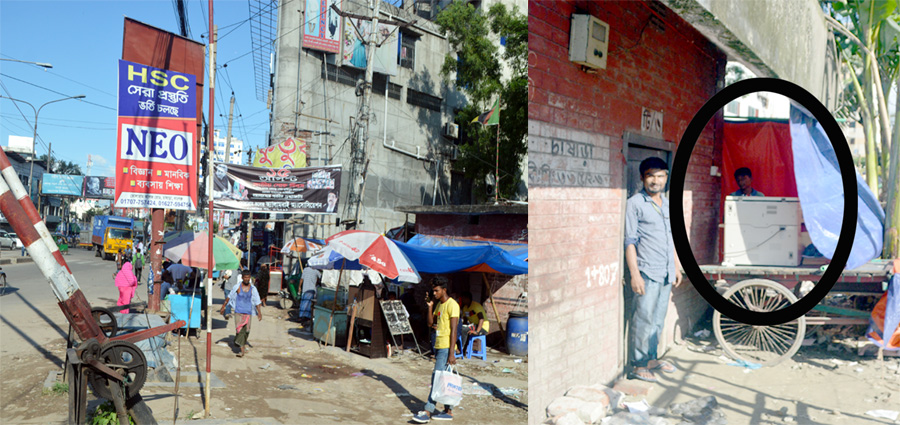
{"x": 99, "y": 160}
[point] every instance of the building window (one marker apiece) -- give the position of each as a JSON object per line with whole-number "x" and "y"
{"x": 423, "y": 100}
{"x": 752, "y": 112}
{"x": 343, "y": 75}
{"x": 733, "y": 108}
{"x": 407, "y": 56}
{"x": 378, "y": 81}
{"x": 852, "y": 140}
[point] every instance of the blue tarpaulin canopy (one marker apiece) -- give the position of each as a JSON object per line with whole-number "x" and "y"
{"x": 448, "y": 255}
{"x": 821, "y": 193}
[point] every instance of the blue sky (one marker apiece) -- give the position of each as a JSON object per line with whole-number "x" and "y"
{"x": 83, "y": 42}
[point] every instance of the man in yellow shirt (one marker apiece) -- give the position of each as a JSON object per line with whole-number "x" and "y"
{"x": 444, "y": 319}
{"x": 474, "y": 322}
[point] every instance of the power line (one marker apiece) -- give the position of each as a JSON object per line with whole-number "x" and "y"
{"x": 73, "y": 126}
{"x": 54, "y": 91}
{"x": 56, "y": 74}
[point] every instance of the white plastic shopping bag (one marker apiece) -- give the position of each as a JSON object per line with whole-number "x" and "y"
{"x": 447, "y": 387}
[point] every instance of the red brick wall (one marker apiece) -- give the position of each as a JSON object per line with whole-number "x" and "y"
{"x": 576, "y": 204}
{"x": 492, "y": 227}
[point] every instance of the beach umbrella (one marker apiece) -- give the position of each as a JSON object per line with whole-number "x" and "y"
{"x": 196, "y": 253}
{"x": 375, "y": 252}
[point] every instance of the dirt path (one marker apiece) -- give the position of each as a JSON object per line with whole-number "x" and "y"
{"x": 816, "y": 386}
{"x": 289, "y": 377}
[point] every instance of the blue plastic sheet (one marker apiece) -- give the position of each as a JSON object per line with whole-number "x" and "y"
{"x": 821, "y": 193}
{"x": 437, "y": 258}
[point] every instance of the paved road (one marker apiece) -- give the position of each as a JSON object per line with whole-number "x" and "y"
{"x": 30, "y": 317}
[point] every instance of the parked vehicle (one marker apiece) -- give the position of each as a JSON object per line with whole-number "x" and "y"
{"x": 7, "y": 241}
{"x": 84, "y": 239}
{"x": 18, "y": 241}
{"x": 112, "y": 234}
{"x": 3, "y": 285}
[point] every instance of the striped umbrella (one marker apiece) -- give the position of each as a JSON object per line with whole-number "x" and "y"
{"x": 196, "y": 253}
{"x": 375, "y": 252}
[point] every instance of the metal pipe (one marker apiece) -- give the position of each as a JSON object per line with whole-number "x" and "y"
{"x": 414, "y": 155}
{"x": 209, "y": 192}
{"x": 434, "y": 192}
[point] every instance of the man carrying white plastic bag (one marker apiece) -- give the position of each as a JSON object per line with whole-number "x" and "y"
{"x": 446, "y": 385}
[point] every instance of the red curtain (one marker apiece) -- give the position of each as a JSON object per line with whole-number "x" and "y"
{"x": 765, "y": 148}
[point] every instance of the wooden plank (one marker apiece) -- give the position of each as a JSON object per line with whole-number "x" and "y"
{"x": 825, "y": 320}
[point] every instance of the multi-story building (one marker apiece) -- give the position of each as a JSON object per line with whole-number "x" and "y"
{"x": 236, "y": 152}
{"x": 316, "y": 97}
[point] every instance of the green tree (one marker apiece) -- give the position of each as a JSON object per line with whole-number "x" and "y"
{"x": 62, "y": 166}
{"x": 473, "y": 37}
{"x": 868, "y": 35}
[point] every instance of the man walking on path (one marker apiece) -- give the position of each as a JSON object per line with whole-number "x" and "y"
{"x": 245, "y": 303}
{"x": 650, "y": 255}
{"x": 138, "y": 264}
{"x": 445, "y": 319}
{"x": 308, "y": 281}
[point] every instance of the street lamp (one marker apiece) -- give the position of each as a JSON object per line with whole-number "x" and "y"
{"x": 34, "y": 138}
{"x": 40, "y": 64}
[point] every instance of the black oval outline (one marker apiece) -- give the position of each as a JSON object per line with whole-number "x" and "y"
{"x": 848, "y": 178}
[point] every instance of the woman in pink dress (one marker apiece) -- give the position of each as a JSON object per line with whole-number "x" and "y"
{"x": 126, "y": 282}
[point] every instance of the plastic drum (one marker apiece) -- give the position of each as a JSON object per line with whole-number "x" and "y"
{"x": 517, "y": 333}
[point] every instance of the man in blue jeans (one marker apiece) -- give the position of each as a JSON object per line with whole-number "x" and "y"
{"x": 445, "y": 319}
{"x": 650, "y": 255}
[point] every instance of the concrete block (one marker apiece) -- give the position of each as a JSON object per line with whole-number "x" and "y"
{"x": 588, "y": 412}
{"x": 633, "y": 387}
{"x": 567, "y": 419}
{"x": 563, "y": 405}
{"x": 589, "y": 394}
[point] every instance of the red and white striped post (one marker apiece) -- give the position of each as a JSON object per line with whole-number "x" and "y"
{"x": 24, "y": 219}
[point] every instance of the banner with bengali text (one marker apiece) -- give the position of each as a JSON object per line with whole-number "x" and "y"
{"x": 156, "y": 139}
{"x": 311, "y": 190}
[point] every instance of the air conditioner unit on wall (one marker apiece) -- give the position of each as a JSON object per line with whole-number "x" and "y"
{"x": 588, "y": 41}
{"x": 451, "y": 130}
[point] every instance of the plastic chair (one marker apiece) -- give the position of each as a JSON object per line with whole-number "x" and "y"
{"x": 480, "y": 353}
{"x": 468, "y": 350}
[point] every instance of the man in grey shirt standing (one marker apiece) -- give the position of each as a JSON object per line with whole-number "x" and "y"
{"x": 651, "y": 259}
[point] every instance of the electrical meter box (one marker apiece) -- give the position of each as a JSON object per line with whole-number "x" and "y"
{"x": 588, "y": 41}
{"x": 762, "y": 230}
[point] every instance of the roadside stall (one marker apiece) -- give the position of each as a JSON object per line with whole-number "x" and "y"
{"x": 361, "y": 250}
{"x": 290, "y": 293}
{"x": 772, "y": 243}
{"x": 192, "y": 249}
{"x": 436, "y": 255}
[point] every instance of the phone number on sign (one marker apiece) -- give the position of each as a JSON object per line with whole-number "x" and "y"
{"x": 153, "y": 203}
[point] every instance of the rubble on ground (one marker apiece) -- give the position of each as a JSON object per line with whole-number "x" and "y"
{"x": 597, "y": 404}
